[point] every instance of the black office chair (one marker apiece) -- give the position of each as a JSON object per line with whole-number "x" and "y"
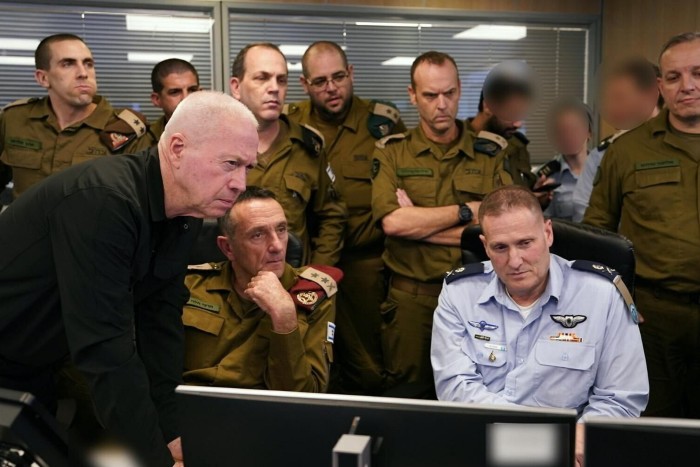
{"x": 206, "y": 250}
{"x": 571, "y": 241}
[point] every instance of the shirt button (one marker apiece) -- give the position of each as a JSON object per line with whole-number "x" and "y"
{"x": 185, "y": 226}
{"x": 509, "y": 392}
{"x": 521, "y": 361}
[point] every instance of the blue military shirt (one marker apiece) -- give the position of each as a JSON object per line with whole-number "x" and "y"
{"x": 483, "y": 351}
{"x": 562, "y": 205}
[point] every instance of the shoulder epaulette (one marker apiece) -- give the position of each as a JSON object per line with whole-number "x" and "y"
{"x": 383, "y": 117}
{"x": 489, "y": 143}
{"x": 20, "y": 102}
{"x": 467, "y": 270}
{"x": 381, "y": 144}
{"x": 605, "y": 143}
{"x": 128, "y": 126}
{"x": 289, "y": 109}
{"x": 613, "y": 276}
{"x": 315, "y": 284}
{"x": 312, "y": 140}
{"x": 521, "y": 137}
{"x": 204, "y": 267}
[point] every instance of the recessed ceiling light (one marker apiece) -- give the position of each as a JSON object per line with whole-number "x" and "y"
{"x": 393, "y": 25}
{"x": 12, "y": 60}
{"x": 155, "y": 23}
{"x": 399, "y": 61}
{"x": 294, "y": 66}
{"x": 493, "y": 32}
{"x": 151, "y": 57}
{"x": 11, "y": 43}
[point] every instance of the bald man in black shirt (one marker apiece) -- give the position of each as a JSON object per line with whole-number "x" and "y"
{"x": 92, "y": 262}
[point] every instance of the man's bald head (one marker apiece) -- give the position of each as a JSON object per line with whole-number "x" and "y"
{"x": 205, "y": 151}
{"x": 321, "y": 47}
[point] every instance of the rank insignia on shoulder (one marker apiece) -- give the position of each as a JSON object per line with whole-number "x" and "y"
{"x": 604, "y": 144}
{"x": 613, "y": 276}
{"x": 489, "y": 143}
{"x": 381, "y": 144}
{"x": 315, "y": 284}
{"x": 523, "y": 139}
{"x": 312, "y": 140}
{"x": 383, "y": 116}
{"x": 568, "y": 321}
{"x": 464, "y": 271}
{"x": 204, "y": 267}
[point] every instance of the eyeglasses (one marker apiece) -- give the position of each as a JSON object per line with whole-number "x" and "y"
{"x": 321, "y": 83}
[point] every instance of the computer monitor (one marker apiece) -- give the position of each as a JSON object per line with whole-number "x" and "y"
{"x": 623, "y": 442}
{"x": 30, "y": 436}
{"x": 247, "y": 428}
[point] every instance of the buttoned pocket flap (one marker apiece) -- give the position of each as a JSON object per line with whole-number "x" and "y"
{"x": 470, "y": 183}
{"x": 361, "y": 170}
{"x": 297, "y": 185}
{"x": 572, "y": 355}
{"x": 202, "y": 320}
{"x": 661, "y": 176}
{"x": 24, "y": 158}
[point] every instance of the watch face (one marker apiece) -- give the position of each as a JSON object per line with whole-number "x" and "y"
{"x": 465, "y": 214}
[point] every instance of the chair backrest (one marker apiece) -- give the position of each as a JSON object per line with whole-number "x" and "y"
{"x": 205, "y": 249}
{"x": 571, "y": 241}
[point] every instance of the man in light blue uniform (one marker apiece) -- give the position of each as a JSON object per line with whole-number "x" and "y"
{"x": 530, "y": 328}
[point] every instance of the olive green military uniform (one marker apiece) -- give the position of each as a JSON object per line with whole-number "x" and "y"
{"x": 647, "y": 188}
{"x": 34, "y": 147}
{"x": 229, "y": 341}
{"x": 156, "y": 129}
{"x": 517, "y": 160}
{"x": 295, "y": 169}
{"x": 349, "y": 147}
{"x": 430, "y": 178}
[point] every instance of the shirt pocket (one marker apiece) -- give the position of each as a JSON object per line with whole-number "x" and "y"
{"x": 202, "y": 330}
{"x": 298, "y": 188}
{"x": 23, "y": 158}
{"x": 356, "y": 189}
{"x": 656, "y": 193}
{"x": 489, "y": 367}
{"x": 421, "y": 190}
{"x": 471, "y": 187}
{"x": 564, "y": 373}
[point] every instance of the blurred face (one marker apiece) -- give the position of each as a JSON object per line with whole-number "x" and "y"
{"x": 176, "y": 86}
{"x": 210, "y": 170}
{"x": 263, "y": 88}
{"x": 680, "y": 81}
{"x": 259, "y": 242}
{"x": 329, "y": 84}
{"x": 436, "y": 96}
{"x": 570, "y": 133}
{"x": 508, "y": 116}
{"x": 70, "y": 79}
{"x": 624, "y": 105}
{"x": 517, "y": 243}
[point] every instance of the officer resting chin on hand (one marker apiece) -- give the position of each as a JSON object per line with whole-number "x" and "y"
{"x": 530, "y": 328}
{"x": 254, "y": 321}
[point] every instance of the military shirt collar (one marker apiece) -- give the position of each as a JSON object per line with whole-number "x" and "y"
{"x": 156, "y": 193}
{"x": 354, "y": 118}
{"x": 98, "y": 119}
{"x": 495, "y": 290}
{"x": 423, "y": 146}
{"x": 662, "y": 125}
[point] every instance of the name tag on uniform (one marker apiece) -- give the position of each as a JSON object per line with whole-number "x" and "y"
{"x": 414, "y": 172}
{"x": 502, "y": 348}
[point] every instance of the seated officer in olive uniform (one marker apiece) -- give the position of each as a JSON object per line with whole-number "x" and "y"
{"x": 350, "y": 127}
{"x": 291, "y": 162}
{"x": 427, "y": 185}
{"x": 531, "y": 328}
{"x": 254, "y": 321}
{"x": 72, "y": 124}
{"x": 172, "y": 80}
{"x": 506, "y": 100}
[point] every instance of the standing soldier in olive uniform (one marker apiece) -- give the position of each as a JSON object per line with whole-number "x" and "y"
{"x": 39, "y": 137}
{"x": 291, "y": 162}
{"x": 505, "y": 101}
{"x": 427, "y": 185}
{"x": 171, "y": 80}
{"x": 350, "y": 127}
{"x": 647, "y": 189}
{"x": 254, "y": 321}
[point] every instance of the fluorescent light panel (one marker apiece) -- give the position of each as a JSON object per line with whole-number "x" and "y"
{"x": 150, "y": 57}
{"x": 294, "y": 66}
{"x": 393, "y": 25}
{"x": 155, "y": 23}
{"x": 493, "y": 32}
{"x": 11, "y": 43}
{"x": 297, "y": 50}
{"x": 399, "y": 61}
{"x": 14, "y": 60}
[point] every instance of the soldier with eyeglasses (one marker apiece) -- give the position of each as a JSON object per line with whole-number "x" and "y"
{"x": 351, "y": 126}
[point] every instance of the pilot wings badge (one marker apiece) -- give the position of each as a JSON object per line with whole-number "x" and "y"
{"x": 568, "y": 321}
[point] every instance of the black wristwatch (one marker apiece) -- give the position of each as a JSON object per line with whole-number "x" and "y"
{"x": 465, "y": 214}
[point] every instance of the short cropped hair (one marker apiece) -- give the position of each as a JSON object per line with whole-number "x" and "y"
{"x": 167, "y": 67}
{"x": 640, "y": 71}
{"x": 227, "y": 226}
{"x": 570, "y": 104}
{"x": 323, "y": 46}
{"x": 506, "y": 198}
{"x": 238, "y": 66}
{"x": 434, "y": 58}
{"x": 42, "y": 54}
{"x": 679, "y": 39}
{"x": 507, "y": 80}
